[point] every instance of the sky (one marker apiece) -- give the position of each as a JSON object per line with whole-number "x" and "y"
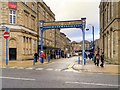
{"x": 75, "y": 10}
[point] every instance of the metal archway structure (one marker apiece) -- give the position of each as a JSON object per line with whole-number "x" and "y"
{"x": 64, "y": 24}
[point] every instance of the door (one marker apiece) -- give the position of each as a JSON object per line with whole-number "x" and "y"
{"x": 12, "y": 53}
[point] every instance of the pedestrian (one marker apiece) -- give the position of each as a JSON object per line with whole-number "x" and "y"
{"x": 42, "y": 56}
{"x": 102, "y": 60}
{"x": 97, "y": 58}
{"x": 85, "y": 55}
{"x": 89, "y": 55}
{"x": 36, "y": 56}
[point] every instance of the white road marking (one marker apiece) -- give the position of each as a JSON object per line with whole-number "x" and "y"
{"x": 49, "y": 69}
{"x": 20, "y": 67}
{"x": 58, "y": 69}
{"x": 29, "y": 68}
{"x": 26, "y": 79}
{"x": 3, "y": 67}
{"x": 12, "y": 67}
{"x": 97, "y": 84}
{"x": 39, "y": 69}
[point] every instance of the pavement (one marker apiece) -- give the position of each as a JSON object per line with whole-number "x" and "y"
{"x": 89, "y": 67}
{"x": 24, "y": 64}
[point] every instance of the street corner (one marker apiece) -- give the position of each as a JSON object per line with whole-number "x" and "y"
{"x": 107, "y": 69}
{"x": 79, "y": 67}
{"x": 70, "y": 65}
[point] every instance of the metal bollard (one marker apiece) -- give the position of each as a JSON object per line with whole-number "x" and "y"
{"x": 78, "y": 60}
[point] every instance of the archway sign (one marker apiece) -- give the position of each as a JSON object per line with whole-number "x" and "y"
{"x": 64, "y": 24}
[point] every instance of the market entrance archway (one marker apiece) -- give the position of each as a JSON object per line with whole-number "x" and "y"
{"x": 64, "y": 24}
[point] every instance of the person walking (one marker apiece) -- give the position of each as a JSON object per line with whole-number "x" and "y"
{"x": 42, "y": 56}
{"x": 36, "y": 56}
{"x": 102, "y": 60}
{"x": 97, "y": 58}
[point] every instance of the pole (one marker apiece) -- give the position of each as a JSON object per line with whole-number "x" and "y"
{"x": 7, "y": 30}
{"x": 93, "y": 40}
{"x": 41, "y": 34}
{"x": 41, "y": 39}
{"x": 83, "y": 50}
{"x": 83, "y": 32}
{"x": 7, "y": 52}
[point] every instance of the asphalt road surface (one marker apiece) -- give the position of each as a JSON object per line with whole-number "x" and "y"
{"x": 56, "y": 75}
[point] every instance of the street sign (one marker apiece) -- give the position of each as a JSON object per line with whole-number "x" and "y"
{"x": 63, "y": 24}
{"x": 6, "y": 35}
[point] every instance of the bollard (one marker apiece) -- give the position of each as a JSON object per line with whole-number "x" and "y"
{"x": 48, "y": 58}
{"x": 78, "y": 60}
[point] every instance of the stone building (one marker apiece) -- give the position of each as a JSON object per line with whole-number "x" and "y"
{"x": 77, "y": 46}
{"x": 21, "y": 18}
{"x": 63, "y": 44}
{"x": 68, "y": 46}
{"x": 110, "y": 30}
{"x": 45, "y": 14}
{"x": 97, "y": 45}
{"x": 87, "y": 45}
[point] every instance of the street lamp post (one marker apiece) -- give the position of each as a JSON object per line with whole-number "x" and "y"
{"x": 93, "y": 46}
{"x": 83, "y": 32}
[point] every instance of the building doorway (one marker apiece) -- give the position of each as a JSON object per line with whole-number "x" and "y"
{"x": 12, "y": 53}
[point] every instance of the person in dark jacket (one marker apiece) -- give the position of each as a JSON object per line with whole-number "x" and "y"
{"x": 102, "y": 60}
{"x": 36, "y": 56}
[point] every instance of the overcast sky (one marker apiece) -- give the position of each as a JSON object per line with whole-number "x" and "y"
{"x": 75, "y": 10}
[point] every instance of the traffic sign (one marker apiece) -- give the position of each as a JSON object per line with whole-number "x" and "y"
{"x": 6, "y": 35}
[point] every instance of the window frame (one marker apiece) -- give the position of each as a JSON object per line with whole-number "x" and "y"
{"x": 11, "y": 13}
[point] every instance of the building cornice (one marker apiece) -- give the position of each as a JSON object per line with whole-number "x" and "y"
{"x": 110, "y": 24}
{"x": 18, "y": 28}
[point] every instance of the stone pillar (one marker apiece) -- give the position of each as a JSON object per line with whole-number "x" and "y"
{"x": 1, "y": 45}
{"x": 119, "y": 46}
{"x": 109, "y": 45}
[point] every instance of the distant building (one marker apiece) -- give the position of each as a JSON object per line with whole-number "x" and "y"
{"x": 87, "y": 45}
{"x": 78, "y": 46}
{"x": 97, "y": 45}
{"x": 110, "y": 30}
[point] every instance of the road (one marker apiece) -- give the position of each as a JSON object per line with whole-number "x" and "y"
{"x": 56, "y": 75}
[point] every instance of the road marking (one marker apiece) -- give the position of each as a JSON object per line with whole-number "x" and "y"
{"x": 26, "y": 79}
{"x": 29, "y": 68}
{"x": 58, "y": 69}
{"x": 20, "y": 67}
{"x": 70, "y": 66}
{"x": 3, "y": 67}
{"x": 39, "y": 69}
{"x": 97, "y": 84}
{"x": 49, "y": 69}
{"x": 12, "y": 67}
